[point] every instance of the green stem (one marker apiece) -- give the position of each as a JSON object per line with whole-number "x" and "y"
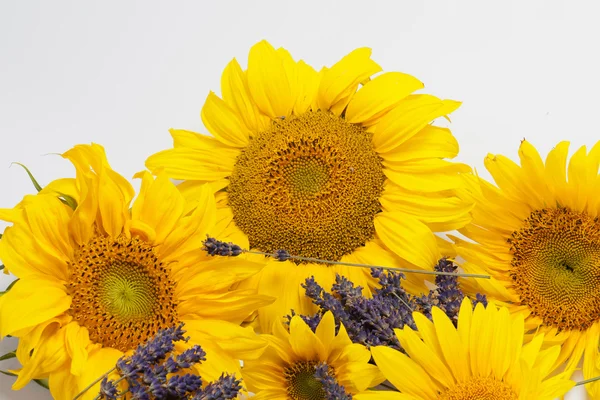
{"x": 594, "y": 379}
{"x": 348, "y": 264}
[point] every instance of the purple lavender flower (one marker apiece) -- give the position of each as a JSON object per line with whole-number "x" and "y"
{"x": 371, "y": 321}
{"x": 224, "y": 388}
{"x": 333, "y": 390}
{"x": 146, "y": 373}
{"x": 216, "y": 247}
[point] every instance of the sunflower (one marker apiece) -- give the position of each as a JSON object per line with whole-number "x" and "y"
{"x": 286, "y": 370}
{"x": 538, "y": 235}
{"x": 306, "y": 162}
{"x": 482, "y": 359}
{"x": 96, "y": 279}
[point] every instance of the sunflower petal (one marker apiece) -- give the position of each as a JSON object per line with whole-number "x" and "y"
{"x": 223, "y": 122}
{"x": 340, "y": 82}
{"x": 269, "y": 82}
{"x": 31, "y": 301}
{"x": 409, "y": 238}
{"x": 404, "y": 373}
{"x": 379, "y": 96}
{"x": 235, "y": 92}
{"x": 407, "y": 119}
{"x": 159, "y": 205}
{"x": 201, "y": 165}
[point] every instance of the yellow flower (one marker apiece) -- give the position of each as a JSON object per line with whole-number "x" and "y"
{"x": 286, "y": 369}
{"x": 97, "y": 280}
{"x": 303, "y": 161}
{"x": 483, "y": 358}
{"x": 538, "y": 235}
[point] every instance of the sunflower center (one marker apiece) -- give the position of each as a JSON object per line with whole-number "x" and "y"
{"x": 121, "y": 292}
{"x": 556, "y": 267}
{"x": 310, "y": 185}
{"x": 480, "y": 388}
{"x": 301, "y": 381}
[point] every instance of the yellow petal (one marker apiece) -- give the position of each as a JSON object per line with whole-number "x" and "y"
{"x": 429, "y": 142}
{"x": 452, "y": 348}
{"x": 340, "y": 82}
{"x": 233, "y": 306}
{"x": 217, "y": 362}
{"x": 407, "y": 119}
{"x": 533, "y": 171}
{"x": 404, "y": 373}
{"x": 159, "y": 204}
{"x": 99, "y": 362}
{"x": 304, "y": 342}
{"x": 49, "y": 356}
{"x": 235, "y": 92}
{"x": 556, "y": 168}
{"x": 82, "y": 224}
{"x": 379, "y": 96}
{"x": 25, "y": 257}
{"x": 426, "y": 176}
{"x": 223, "y": 122}
{"x": 383, "y": 395}
{"x": 77, "y": 339}
{"x": 326, "y": 332}
{"x": 67, "y": 186}
{"x": 49, "y": 219}
{"x": 237, "y": 342}
{"x": 63, "y": 384}
{"x": 308, "y": 86}
{"x": 407, "y": 237}
{"x": 202, "y": 165}
{"x": 269, "y": 82}
{"x": 215, "y": 275}
{"x": 112, "y": 205}
{"x": 191, "y": 231}
{"x": 426, "y": 357}
{"x": 440, "y": 213}
{"x": 510, "y": 178}
{"x": 31, "y": 301}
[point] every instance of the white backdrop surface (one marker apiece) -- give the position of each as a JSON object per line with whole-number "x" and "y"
{"x": 121, "y": 73}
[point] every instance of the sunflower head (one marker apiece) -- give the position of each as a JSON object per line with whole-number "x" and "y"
{"x": 537, "y": 233}
{"x": 99, "y": 277}
{"x": 482, "y": 358}
{"x": 297, "y": 362}
{"x": 339, "y": 165}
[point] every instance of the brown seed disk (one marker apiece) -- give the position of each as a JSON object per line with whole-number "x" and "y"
{"x": 122, "y": 293}
{"x": 556, "y": 267}
{"x": 309, "y": 185}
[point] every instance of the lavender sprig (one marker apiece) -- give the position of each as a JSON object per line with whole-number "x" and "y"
{"x": 333, "y": 390}
{"x": 154, "y": 372}
{"x": 216, "y": 247}
{"x": 371, "y": 321}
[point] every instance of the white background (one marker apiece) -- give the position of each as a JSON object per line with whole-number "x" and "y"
{"x": 121, "y": 73}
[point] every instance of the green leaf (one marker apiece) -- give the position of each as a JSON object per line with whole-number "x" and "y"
{"x": 68, "y": 200}
{"x": 9, "y": 355}
{"x": 42, "y": 382}
{"x": 11, "y": 285}
{"x": 1, "y": 267}
{"x": 35, "y": 183}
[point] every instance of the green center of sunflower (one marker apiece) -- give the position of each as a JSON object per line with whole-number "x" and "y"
{"x": 121, "y": 292}
{"x": 310, "y": 185}
{"x": 556, "y": 267}
{"x": 301, "y": 381}
{"x": 480, "y": 388}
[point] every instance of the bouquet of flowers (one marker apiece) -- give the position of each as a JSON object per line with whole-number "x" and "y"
{"x": 318, "y": 243}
